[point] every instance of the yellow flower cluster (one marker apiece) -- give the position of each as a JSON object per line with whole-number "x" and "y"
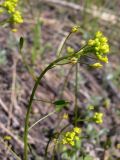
{"x": 10, "y": 6}
{"x": 98, "y": 117}
{"x": 75, "y": 29}
{"x": 72, "y": 136}
{"x": 100, "y": 46}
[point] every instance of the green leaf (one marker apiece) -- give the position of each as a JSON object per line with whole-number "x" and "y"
{"x": 60, "y": 104}
{"x": 21, "y": 42}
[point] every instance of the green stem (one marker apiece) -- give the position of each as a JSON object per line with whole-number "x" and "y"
{"x": 57, "y": 139}
{"x": 65, "y": 81}
{"x": 76, "y": 92}
{"x": 62, "y": 44}
{"x": 41, "y": 100}
{"x": 46, "y": 149}
{"x": 31, "y": 100}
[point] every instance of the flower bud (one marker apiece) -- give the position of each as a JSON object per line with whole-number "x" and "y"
{"x": 96, "y": 65}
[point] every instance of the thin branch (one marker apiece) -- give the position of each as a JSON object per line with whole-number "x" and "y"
{"x": 60, "y": 48}
{"x": 46, "y": 101}
{"x": 34, "y": 124}
{"x": 20, "y": 143}
{"x": 13, "y": 96}
{"x": 76, "y": 93}
{"x": 4, "y": 107}
{"x": 10, "y": 150}
{"x": 65, "y": 81}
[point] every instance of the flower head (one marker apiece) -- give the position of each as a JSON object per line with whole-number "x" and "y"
{"x": 17, "y": 18}
{"x": 98, "y": 117}
{"x": 77, "y": 130}
{"x": 72, "y": 136}
{"x": 75, "y": 29}
{"x": 99, "y": 45}
{"x": 10, "y": 6}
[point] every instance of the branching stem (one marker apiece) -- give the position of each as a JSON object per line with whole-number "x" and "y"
{"x": 31, "y": 100}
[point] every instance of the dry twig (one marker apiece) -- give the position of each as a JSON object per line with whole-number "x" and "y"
{"x": 4, "y": 107}
{"x": 7, "y": 131}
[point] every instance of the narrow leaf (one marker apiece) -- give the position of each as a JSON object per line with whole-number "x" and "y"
{"x": 60, "y": 104}
{"x": 21, "y": 42}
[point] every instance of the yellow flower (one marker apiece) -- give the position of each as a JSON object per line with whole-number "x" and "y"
{"x": 75, "y": 29}
{"x": 65, "y": 116}
{"x": 10, "y": 7}
{"x": 17, "y": 18}
{"x": 77, "y": 130}
{"x": 98, "y": 34}
{"x": 104, "y": 48}
{"x": 103, "y": 40}
{"x": 99, "y": 46}
{"x": 102, "y": 58}
{"x": 72, "y": 143}
{"x": 64, "y": 141}
{"x": 72, "y": 136}
{"x": 91, "y": 42}
{"x": 98, "y": 117}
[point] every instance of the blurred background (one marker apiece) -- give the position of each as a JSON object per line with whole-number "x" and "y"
{"x": 46, "y": 23}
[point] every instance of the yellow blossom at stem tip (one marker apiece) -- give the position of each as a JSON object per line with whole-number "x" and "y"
{"x": 75, "y": 29}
